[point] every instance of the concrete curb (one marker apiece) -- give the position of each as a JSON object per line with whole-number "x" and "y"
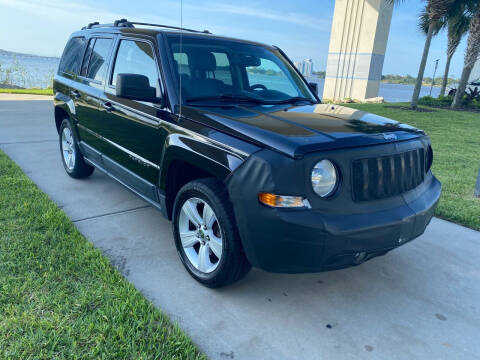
{"x": 23, "y": 97}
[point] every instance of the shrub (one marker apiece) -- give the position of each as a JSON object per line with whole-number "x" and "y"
{"x": 475, "y": 104}
{"x": 441, "y": 101}
{"x": 427, "y": 100}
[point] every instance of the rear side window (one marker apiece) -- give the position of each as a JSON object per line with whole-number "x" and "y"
{"x": 97, "y": 66}
{"x": 72, "y": 56}
{"x": 135, "y": 57}
{"x": 86, "y": 58}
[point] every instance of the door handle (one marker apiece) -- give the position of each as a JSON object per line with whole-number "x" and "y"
{"x": 108, "y": 107}
{"x": 76, "y": 94}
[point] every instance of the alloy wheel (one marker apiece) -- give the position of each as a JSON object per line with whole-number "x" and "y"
{"x": 200, "y": 235}
{"x": 68, "y": 148}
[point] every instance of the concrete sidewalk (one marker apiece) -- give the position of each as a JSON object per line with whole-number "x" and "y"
{"x": 419, "y": 301}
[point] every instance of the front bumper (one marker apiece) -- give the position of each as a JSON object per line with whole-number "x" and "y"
{"x": 309, "y": 240}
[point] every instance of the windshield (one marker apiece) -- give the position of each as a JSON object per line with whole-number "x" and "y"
{"x": 233, "y": 71}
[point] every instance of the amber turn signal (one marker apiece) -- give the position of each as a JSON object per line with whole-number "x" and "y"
{"x": 283, "y": 201}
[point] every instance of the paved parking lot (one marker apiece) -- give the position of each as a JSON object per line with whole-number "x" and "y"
{"x": 419, "y": 301}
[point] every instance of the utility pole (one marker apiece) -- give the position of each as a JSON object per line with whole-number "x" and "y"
{"x": 434, "y": 73}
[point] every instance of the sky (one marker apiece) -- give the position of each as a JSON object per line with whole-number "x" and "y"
{"x": 301, "y": 27}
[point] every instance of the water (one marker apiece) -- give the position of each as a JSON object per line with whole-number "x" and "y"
{"x": 38, "y": 71}
{"x": 27, "y": 70}
{"x": 390, "y": 92}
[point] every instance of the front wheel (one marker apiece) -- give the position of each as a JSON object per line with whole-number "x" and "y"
{"x": 72, "y": 159}
{"x": 205, "y": 234}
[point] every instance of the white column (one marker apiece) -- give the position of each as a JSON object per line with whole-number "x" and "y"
{"x": 357, "y": 49}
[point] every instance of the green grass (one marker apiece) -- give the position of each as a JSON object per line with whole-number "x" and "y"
{"x": 27, "y": 91}
{"x": 455, "y": 139}
{"x": 60, "y": 298}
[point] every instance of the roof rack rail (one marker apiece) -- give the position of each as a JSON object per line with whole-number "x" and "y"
{"x": 130, "y": 24}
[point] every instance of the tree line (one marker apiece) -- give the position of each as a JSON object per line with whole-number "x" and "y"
{"x": 410, "y": 80}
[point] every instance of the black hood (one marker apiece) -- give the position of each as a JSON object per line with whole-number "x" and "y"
{"x": 297, "y": 130}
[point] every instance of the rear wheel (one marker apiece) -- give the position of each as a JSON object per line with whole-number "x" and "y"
{"x": 72, "y": 159}
{"x": 206, "y": 236}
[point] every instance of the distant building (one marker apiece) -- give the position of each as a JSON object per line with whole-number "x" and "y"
{"x": 308, "y": 69}
{"x": 305, "y": 67}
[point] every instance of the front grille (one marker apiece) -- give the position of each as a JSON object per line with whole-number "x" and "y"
{"x": 386, "y": 176}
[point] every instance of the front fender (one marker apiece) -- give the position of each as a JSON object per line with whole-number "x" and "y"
{"x": 200, "y": 152}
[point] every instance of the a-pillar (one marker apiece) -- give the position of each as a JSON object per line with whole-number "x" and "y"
{"x": 357, "y": 49}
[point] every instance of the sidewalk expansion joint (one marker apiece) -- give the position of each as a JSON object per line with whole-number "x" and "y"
{"x": 111, "y": 213}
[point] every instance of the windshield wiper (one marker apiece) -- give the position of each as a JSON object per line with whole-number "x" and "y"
{"x": 249, "y": 99}
{"x": 227, "y": 98}
{"x": 296, "y": 99}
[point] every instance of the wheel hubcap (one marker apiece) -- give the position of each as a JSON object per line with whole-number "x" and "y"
{"x": 200, "y": 235}
{"x": 68, "y": 149}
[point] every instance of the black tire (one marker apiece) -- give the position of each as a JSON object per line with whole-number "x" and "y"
{"x": 233, "y": 264}
{"x": 80, "y": 168}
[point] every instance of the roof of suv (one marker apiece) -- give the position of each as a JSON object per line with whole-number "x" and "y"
{"x": 126, "y": 27}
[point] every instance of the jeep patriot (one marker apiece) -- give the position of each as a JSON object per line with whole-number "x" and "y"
{"x": 228, "y": 141}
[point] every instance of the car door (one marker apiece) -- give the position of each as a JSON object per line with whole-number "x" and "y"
{"x": 133, "y": 128}
{"x": 89, "y": 94}
{"x": 70, "y": 63}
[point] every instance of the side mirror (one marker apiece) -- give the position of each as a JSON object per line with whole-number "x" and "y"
{"x": 314, "y": 87}
{"x": 135, "y": 87}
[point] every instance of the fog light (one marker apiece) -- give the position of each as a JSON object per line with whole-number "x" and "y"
{"x": 283, "y": 201}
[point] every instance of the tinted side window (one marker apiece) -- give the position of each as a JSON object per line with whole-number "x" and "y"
{"x": 183, "y": 67}
{"x": 72, "y": 56}
{"x": 97, "y": 67}
{"x": 222, "y": 72}
{"x": 86, "y": 58}
{"x": 135, "y": 57}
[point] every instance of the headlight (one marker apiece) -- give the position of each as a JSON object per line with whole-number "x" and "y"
{"x": 324, "y": 178}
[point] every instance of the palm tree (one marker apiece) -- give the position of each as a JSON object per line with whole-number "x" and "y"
{"x": 471, "y": 53}
{"x": 457, "y": 22}
{"x": 424, "y": 24}
{"x": 436, "y": 10}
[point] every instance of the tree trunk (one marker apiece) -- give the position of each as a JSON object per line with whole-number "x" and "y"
{"x": 471, "y": 55}
{"x": 445, "y": 76}
{"x": 423, "y": 63}
{"x": 462, "y": 85}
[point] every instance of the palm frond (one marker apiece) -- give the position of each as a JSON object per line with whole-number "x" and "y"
{"x": 438, "y": 9}
{"x": 458, "y": 23}
{"x": 424, "y": 22}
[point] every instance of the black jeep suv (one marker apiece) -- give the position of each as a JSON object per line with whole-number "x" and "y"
{"x": 227, "y": 139}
